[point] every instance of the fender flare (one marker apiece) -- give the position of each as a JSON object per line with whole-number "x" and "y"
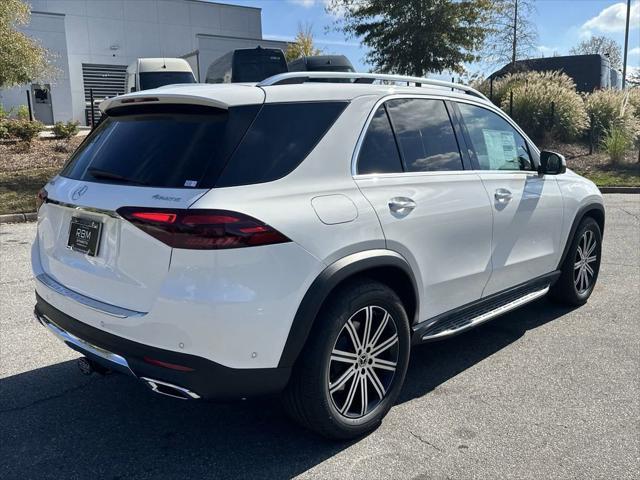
{"x": 322, "y": 286}
{"x": 582, "y": 212}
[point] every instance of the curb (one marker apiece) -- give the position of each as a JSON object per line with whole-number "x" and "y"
{"x": 619, "y": 189}
{"x": 19, "y": 217}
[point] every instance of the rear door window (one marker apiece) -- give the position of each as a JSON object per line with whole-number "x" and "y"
{"x": 425, "y": 135}
{"x": 161, "y": 146}
{"x": 379, "y": 151}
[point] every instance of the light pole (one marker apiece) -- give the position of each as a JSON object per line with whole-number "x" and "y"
{"x": 626, "y": 46}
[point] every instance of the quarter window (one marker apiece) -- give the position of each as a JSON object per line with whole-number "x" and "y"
{"x": 495, "y": 143}
{"x": 379, "y": 152}
{"x": 425, "y": 135}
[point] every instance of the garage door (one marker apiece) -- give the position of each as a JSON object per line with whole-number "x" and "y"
{"x": 105, "y": 80}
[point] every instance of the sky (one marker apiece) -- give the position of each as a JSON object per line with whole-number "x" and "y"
{"x": 561, "y": 24}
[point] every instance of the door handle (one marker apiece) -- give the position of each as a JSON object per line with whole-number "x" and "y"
{"x": 401, "y": 205}
{"x": 503, "y": 195}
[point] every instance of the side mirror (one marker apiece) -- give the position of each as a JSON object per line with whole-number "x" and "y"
{"x": 551, "y": 163}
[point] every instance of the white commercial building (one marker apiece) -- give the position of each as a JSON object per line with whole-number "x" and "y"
{"x": 94, "y": 40}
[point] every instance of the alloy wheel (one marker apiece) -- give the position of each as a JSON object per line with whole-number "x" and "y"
{"x": 363, "y": 362}
{"x": 584, "y": 262}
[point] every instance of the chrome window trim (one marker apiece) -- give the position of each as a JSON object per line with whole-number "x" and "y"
{"x": 98, "y": 306}
{"x": 80, "y": 208}
{"x": 489, "y": 106}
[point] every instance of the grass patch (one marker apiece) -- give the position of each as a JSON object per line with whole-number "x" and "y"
{"x": 18, "y": 189}
{"x": 627, "y": 177}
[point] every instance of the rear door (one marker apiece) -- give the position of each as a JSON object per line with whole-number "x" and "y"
{"x": 527, "y": 207}
{"x": 161, "y": 156}
{"x": 433, "y": 211}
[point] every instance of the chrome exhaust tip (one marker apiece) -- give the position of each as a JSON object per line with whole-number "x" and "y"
{"x": 170, "y": 390}
{"x": 85, "y": 366}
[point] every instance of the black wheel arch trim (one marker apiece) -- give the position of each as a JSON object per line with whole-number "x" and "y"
{"x": 323, "y": 285}
{"x": 580, "y": 215}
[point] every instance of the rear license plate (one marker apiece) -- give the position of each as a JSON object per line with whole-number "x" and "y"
{"x": 84, "y": 235}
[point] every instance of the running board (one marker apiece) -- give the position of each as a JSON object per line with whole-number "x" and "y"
{"x": 483, "y": 310}
{"x": 463, "y": 323}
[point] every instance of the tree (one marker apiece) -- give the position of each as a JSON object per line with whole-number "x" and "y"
{"x": 601, "y": 45}
{"x": 513, "y": 35}
{"x": 415, "y": 37}
{"x": 22, "y": 59}
{"x": 303, "y": 44}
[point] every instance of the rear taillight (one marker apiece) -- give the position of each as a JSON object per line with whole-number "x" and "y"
{"x": 41, "y": 197}
{"x": 202, "y": 229}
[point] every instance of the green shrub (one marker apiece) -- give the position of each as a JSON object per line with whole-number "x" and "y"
{"x": 616, "y": 142}
{"x": 545, "y": 104}
{"x": 24, "y": 130}
{"x": 65, "y": 130}
{"x": 22, "y": 113}
{"x": 4, "y": 131}
{"x": 609, "y": 109}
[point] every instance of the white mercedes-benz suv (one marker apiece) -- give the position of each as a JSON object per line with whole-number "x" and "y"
{"x": 300, "y": 236}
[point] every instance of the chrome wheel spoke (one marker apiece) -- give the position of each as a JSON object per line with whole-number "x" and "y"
{"x": 353, "y": 334}
{"x": 364, "y": 393}
{"x": 367, "y": 326}
{"x": 592, "y": 259}
{"x": 377, "y": 384}
{"x": 352, "y": 393}
{"x": 342, "y": 356}
{"x": 584, "y": 280}
{"x": 588, "y": 268}
{"x": 577, "y": 265}
{"x": 381, "y": 327}
{"x": 384, "y": 364}
{"x": 344, "y": 378}
{"x": 388, "y": 343}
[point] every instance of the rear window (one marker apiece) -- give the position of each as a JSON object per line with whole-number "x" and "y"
{"x": 160, "y": 147}
{"x": 189, "y": 147}
{"x": 149, "y": 80}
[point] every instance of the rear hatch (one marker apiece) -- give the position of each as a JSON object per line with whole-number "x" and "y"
{"x": 161, "y": 156}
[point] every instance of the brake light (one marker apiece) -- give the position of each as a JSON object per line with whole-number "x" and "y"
{"x": 201, "y": 229}
{"x": 157, "y": 217}
{"x": 41, "y": 198}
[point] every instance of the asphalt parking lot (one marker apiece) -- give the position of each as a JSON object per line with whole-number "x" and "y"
{"x": 543, "y": 392}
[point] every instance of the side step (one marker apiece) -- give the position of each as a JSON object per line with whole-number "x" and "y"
{"x": 472, "y": 315}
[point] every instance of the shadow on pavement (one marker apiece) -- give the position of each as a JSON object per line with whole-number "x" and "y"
{"x": 55, "y": 423}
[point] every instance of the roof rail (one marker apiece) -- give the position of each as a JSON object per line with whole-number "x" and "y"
{"x": 302, "y": 77}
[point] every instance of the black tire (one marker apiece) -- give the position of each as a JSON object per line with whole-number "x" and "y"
{"x": 307, "y": 398}
{"x": 570, "y": 290}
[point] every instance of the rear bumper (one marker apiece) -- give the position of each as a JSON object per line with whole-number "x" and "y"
{"x": 206, "y": 379}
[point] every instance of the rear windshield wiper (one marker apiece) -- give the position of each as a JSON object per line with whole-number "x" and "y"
{"x": 107, "y": 175}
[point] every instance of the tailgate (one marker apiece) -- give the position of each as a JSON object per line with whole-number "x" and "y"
{"x": 127, "y": 266}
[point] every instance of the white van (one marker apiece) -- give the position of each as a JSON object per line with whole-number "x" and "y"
{"x": 148, "y": 73}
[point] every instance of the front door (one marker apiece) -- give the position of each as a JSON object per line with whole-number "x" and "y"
{"x": 432, "y": 211}
{"x": 527, "y": 207}
{"x": 41, "y": 98}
